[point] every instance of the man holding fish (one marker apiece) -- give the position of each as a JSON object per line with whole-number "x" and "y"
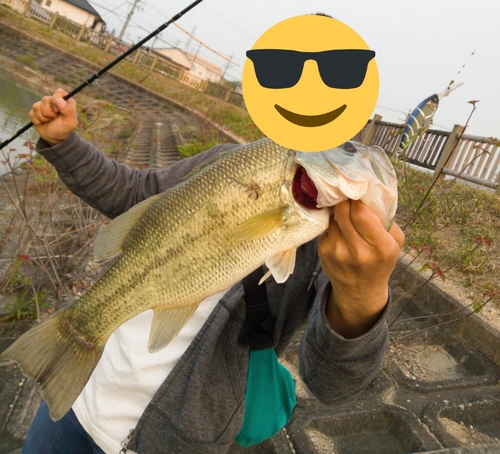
{"x": 187, "y": 393}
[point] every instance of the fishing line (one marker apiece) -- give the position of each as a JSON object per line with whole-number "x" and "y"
{"x": 472, "y": 54}
{"x": 461, "y": 68}
{"x": 109, "y": 66}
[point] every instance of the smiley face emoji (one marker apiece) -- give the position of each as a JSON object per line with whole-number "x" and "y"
{"x": 310, "y": 83}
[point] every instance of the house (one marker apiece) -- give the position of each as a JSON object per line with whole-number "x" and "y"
{"x": 175, "y": 57}
{"x": 79, "y": 11}
{"x": 204, "y": 69}
{"x": 191, "y": 64}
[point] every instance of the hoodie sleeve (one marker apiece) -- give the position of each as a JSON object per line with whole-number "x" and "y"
{"x": 335, "y": 368}
{"x": 108, "y": 186}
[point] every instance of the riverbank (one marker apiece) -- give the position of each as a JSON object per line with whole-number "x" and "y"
{"x": 226, "y": 116}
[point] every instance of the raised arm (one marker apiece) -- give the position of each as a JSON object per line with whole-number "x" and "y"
{"x": 106, "y": 185}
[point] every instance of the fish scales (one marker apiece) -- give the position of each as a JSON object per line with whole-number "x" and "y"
{"x": 194, "y": 240}
{"x": 151, "y": 245}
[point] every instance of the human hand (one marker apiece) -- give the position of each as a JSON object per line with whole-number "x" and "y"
{"x": 54, "y": 118}
{"x": 358, "y": 256}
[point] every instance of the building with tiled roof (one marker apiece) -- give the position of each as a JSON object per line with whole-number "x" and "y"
{"x": 79, "y": 11}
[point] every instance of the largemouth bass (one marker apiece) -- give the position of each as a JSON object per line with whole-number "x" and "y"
{"x": 252, "y": 205}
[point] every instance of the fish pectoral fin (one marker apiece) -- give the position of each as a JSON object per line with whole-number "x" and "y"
{"x": 112, "y": 237}
{"x": 261, "y": 225}
{"x": 281, "y": 265}
{"x": 166, "y": 325}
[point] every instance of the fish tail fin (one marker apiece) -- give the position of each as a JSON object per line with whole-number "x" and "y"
{"x": 58, "y": 359}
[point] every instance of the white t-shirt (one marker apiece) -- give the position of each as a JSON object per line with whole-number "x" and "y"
{"x": 108, "y": 413}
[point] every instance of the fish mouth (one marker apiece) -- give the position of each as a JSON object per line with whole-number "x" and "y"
{"x": 304, "y": 190}
{"x": 310, "y": 121}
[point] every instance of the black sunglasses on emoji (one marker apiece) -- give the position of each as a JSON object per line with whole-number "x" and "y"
{"x": 339, "y": 68}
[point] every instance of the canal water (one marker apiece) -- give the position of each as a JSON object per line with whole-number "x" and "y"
{"x": 15, "y": 103}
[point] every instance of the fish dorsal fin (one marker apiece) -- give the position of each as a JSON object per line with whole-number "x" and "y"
{"x": 110, "y": 240}
{"x": 166, "y": 325}
{"x": 203, "y": 165}
{"x": 261, "y": 225}
{"x": 281, "y": 265}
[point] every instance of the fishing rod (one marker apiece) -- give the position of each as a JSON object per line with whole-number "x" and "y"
{"x": 109, "y": 66}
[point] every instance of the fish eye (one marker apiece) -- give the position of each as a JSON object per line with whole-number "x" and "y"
{"x": 350, "y": 147}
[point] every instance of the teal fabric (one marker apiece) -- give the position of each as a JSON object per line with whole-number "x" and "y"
{"x": 269, "y": 400}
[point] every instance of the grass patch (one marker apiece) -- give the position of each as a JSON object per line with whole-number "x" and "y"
{"x": 27, "y": 60}
{"x": 458, "y": 220}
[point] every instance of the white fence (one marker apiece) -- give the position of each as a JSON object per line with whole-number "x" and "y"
{"x": 471, "y": 158}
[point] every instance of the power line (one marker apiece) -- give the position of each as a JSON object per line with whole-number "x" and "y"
{"x": 191, "y": 36}
{"x": 113, "y": 11}
{"x": 203, "y": 44}
{"x": 135, "y": 23}
{"x": 229, "y": 23}
{"x": 110, "y": 10}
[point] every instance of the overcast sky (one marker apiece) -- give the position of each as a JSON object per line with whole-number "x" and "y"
{"x": 421, "y": 46}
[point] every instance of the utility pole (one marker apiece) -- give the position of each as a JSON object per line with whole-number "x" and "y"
{"x": 195, "y": 55}
{"x": 186, "y": 47}
{"x": 152, "y": 45}
{"x": 129, "y": 16}
{"x": 227, "y": 64}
